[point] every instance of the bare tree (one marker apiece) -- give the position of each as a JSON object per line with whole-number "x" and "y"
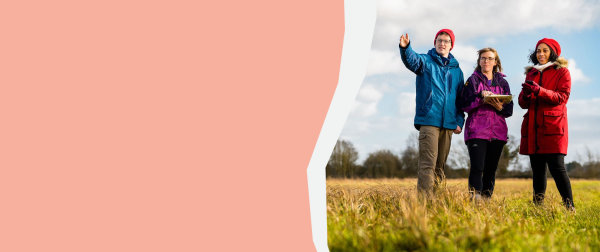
{"x": 413, "y": 140}
{"x": 342, "y": 161}
{"x": 459, "y": 156}
{"x": 383, "y": 163}
{"x": 410, "y": 156}
{"x": 591, "y": 166}
{"x": 509, "y": 156}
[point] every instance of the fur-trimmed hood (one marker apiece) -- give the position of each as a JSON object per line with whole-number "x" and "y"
{"x": 558, "y": 64}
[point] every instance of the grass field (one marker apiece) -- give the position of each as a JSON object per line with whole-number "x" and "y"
{"x": 388, "y": 215}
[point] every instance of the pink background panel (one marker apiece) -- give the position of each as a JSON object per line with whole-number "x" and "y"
{"x": 162, "y": 125}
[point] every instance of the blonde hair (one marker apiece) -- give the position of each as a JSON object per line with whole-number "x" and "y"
{"x": 497, "y": 67}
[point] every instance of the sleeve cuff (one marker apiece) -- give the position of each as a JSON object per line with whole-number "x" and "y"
{"x": 404, "y": 47}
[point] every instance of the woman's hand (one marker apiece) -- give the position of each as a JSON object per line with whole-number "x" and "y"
{"x": 526, "y": 89}
{"x": 404, "y": 40}
{"x": 496, "y": 103}
{"x": 531, "y": 88}
{"x": 485, "y": 93}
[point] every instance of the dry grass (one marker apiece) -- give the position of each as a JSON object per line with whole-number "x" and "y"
{"x": 389, "y": 215}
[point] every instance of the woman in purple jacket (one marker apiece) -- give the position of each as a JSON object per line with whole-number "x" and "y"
{"x": 485, "y": 129}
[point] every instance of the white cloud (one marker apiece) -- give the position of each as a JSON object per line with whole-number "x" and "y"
{"x": 355, "y": 127}
{"x": 363, "y": 109}
{"x": 584, "y": 118}
{"x": 371, "y": 129}
{"x": 369, "y": 93}
{"x": 376, "y": 133}
{"x": 470, "y": 19}
{"x": 491, "y": 41}
{"x": 466, "y": 56}
{"x": 384, "y": 62}
{"x": 582, "y": 109}
{"x": 514, "y": 122}
{"x": 577, "y": 75}
{"x": 362, "y": 117}
{"x": 366, "y": 101}
{"x": 406, "y": 104}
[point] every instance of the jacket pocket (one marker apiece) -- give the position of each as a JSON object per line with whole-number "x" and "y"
{"x": 476, "y": 119}
{"x": 524, "y": 125}
{"x": 424, "y": 109}
{"x": 503, "y": 126}
{"x": 553, "y": 123}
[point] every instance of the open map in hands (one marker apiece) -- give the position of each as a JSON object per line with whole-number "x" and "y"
{"x": 503, "y": 98}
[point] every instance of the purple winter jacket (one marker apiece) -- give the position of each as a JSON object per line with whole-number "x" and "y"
{"x": 484, "y": 121}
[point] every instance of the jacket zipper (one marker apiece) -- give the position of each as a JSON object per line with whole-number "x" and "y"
{"x": 535, "y": 115}
{"x": 486, "y": 88}
{"x": 491, "y": 88}
{"x": 445, "y": 95}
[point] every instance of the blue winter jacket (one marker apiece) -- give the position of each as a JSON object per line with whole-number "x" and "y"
{"x": 438, "y": 83}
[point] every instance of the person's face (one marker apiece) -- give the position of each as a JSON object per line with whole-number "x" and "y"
{"x": 543, "y": 53}
{"x": 443, "y": 44}
{"x": 487, "y": 62}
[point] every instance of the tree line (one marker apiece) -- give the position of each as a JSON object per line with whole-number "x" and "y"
{"x": 387, "y": 164}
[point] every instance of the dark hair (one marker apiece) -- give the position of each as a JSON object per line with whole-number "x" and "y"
{"x": 533, "y": 57}
{"x": 497, "y": 68}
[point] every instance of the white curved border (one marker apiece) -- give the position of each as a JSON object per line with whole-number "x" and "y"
{"x": 360, "y": 16}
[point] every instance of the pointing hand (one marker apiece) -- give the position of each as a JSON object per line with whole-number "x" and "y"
{"x": 404, "y": 40}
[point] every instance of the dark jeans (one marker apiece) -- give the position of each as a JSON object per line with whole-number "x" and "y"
{"x": 484, "y": 157}
{"x": 556, "y": 165}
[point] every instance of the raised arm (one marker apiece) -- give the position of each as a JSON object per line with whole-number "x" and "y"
{"x": 412, "y": 60}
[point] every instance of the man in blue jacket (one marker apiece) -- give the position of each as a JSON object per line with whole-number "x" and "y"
{"x": 439, "y": 80}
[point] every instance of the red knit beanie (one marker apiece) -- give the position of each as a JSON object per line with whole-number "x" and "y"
{"x": 551, "y": 43}
{"x": 451, "y": 37}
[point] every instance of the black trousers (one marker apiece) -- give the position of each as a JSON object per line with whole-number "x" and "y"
{"x": 556, "y": 166}
{"x": 484, "y": 156}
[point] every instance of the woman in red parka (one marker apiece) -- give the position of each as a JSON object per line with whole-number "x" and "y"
{"x": 544, "y": 132}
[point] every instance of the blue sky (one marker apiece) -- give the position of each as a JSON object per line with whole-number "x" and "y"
{"x": 383, "y": 112}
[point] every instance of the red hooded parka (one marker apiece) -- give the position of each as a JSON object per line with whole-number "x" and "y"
{"x": 545, "y": 129}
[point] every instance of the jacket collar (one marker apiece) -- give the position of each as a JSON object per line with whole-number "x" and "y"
{"x": 542, "y": 67}
{"x": 497, "y": 77}
{"x": 558, "y": 64}
{"x": 438, "y": 59}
